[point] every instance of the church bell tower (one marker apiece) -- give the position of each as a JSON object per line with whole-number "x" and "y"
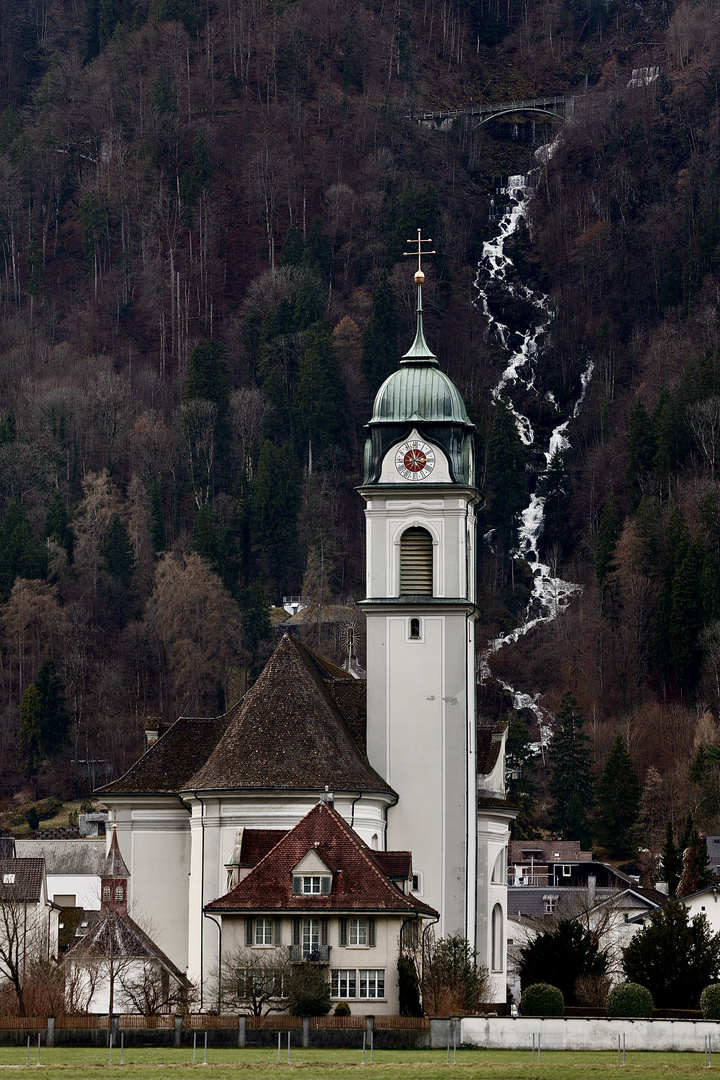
{"x": 420, "y": 506}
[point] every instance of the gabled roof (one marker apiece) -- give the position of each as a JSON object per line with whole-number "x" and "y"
{"x": 359, "y": 881}
{"x": 80, "y": 856}
{"x": 116, "y": 935}
{"x": 288, "y": 732}
{"x": 21, "y": 880}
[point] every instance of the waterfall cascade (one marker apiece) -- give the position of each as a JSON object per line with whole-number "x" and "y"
{"x": 550, "y": 593}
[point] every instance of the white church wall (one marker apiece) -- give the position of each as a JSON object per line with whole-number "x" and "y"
{"x": 154, "y": 839}
{"x": 85, "y": 888}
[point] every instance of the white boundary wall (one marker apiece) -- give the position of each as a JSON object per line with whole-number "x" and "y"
{"x": 591, "y": 1033}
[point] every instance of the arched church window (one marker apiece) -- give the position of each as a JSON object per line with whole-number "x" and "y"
{"x": 497, "y": 949}
{"x": 415, "y": 629}
{"x": 498, "y": 874}
{"x": 106, "y": 892}
{"x": 119, "y": 892}
{"x": 416, "y": 562}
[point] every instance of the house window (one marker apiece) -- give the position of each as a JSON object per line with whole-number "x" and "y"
{"x": 343, "y": 983}
{"x": 311, "y": 884}
{"x": 550, "y": 903}
{"x": 497, "y": 938}
{"x": 416, "y": 563}
{"x": 417, "y": 883}
{"x": 263, "y": 931}
{"x": 8, "y": 879}
{"x": 567, "y": 871}
{"x": 415, "y": 629}
{"x": 119, "y": 893}
{"x": 358, "y": 932}
{"x": 310, "y": 936}
{"x": 372, "y": 983}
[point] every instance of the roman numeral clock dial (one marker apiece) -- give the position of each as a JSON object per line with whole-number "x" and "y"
{"x": 415, "y": 460}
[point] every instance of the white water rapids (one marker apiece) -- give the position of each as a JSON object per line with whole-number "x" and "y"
{"x": 551, "y": 594}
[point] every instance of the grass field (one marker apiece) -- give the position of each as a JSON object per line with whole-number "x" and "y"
{"x": 251, "y": 1064}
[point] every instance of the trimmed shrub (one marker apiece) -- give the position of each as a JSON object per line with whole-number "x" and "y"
{"x": 630, "y": 999}
{"x": 710, "y": 1002}
{"x": 542, "y": 999}
{"x": 342, "y": 1009}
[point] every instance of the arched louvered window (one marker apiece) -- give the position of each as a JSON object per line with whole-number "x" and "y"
{"x": 416, "y": 563}
{"x": 498, "y": 939}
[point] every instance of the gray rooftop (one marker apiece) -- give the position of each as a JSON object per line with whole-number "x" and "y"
{"x": 65, "y": 856}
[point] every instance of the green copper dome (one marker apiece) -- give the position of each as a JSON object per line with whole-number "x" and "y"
{"x": 419, "y": 393}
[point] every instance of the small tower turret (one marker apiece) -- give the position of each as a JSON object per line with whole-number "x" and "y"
{"x": 114, "y": 879}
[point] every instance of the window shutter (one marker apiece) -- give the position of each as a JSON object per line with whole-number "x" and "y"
{"x": 342, "y": 931}
{"x": 277, "y": 932}
{"x": 371, "y": 932}
{"x": 323, "y": 931}
{"x": 325, "y": 885}
{"x": 296, "y": 932}
{"x": 248, "y": 931}
{"x": 297, "y": 884}
{"x": 416, "y": 563}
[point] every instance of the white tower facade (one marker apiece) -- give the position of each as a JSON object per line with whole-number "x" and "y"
{"x": 420, "y": 512}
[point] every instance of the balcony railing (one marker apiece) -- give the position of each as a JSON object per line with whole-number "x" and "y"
{"x": 528, "y": 879}
{"x": 319, "y": 955}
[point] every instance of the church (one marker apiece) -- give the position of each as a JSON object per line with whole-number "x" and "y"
{"x": 325, "y": 814}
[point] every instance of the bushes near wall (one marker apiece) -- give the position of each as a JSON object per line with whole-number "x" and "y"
{"x": 542, "y": 999}
{"x": 630, "y": 999}
{"x": 710, "y": 1002}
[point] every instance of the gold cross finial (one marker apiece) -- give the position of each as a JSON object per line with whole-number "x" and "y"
{"x": 419, "y": 276}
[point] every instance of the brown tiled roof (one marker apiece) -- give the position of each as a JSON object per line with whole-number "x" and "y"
{"x": 26, "y": 883}
{"x": 396, "y": 864}
{"x": 287, "y": 732}
{"x": 170, "y": 762}
{"x": 257, "y": 842}
{"x": 359, "y": 882}
{"x": 350, "y": 697}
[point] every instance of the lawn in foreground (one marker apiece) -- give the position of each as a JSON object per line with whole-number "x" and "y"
{"x": 255, "y": 1064}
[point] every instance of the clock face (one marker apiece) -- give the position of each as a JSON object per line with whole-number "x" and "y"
{"x": 415, "y": 460}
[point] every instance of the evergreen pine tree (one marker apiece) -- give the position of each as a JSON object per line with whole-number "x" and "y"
{"x": 519, "y": 759}
{"x": 506, "y": 475}
{"x": 619, "y": 802}
{"x": 292, "y": 249}
{"x": 53, "y": 714}
{"x": 206, "y": 538}
{"x": 275, "y": 505}
{"x": 676, "y": 545}
{"x": 117, "y": 552}
{"x": 380, "y": 339}
{"x": 641, "y": 449}
{"x": 209, "y": 379}
{"x": 319, "y": 393}
{"x": 671, "y": 861}
{"x": 571, "y": 782}
{"x": 57, "y": 525}
{"x": 30, "y": 734}
{"x": 21, "y": 555}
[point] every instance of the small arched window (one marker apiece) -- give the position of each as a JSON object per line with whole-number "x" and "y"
{"x": 498, "y": 943}
{"x": 375, "y": 841}
{"x": 415, "y": 629}
{"x": 416, "y": 562}
{"x": 106, "y": 892}
{"x": 119, "y": 893}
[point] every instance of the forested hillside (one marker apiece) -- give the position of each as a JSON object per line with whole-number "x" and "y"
{"x": 203, "y": 209}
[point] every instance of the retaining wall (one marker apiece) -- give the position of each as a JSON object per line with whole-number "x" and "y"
{"x": 591, "y": 1033}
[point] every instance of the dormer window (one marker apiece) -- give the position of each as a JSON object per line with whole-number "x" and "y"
{"x": 8, "y": 879}
{"x": 312, "y": 884}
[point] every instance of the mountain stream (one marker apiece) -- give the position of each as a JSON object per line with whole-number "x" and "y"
{"x": 497, "y": 287}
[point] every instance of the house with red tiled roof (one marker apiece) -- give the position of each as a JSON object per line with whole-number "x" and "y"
{"x": 322, "y": 896}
